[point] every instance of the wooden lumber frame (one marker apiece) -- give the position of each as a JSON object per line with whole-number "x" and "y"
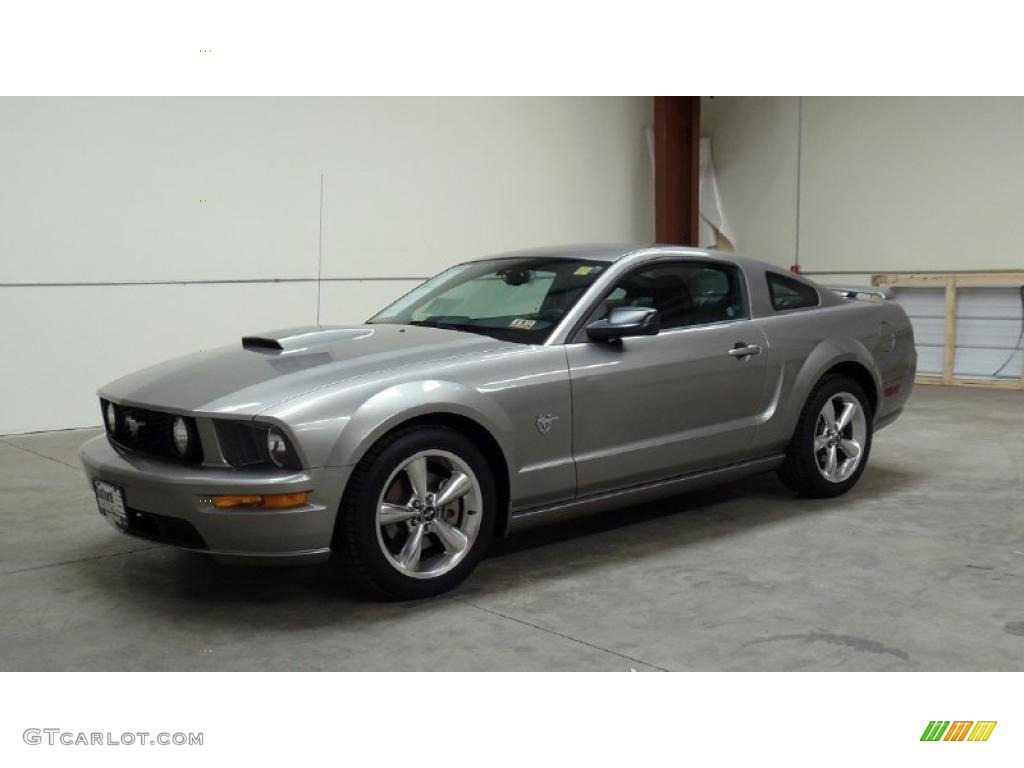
{"x": 951, "y": 281}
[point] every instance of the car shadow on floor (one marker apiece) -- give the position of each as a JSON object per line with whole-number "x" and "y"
{"x": 171, "y": 582}
{"x": 706, "y": 513}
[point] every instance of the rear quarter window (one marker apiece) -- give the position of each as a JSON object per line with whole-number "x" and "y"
{"x": 787, "y": 293}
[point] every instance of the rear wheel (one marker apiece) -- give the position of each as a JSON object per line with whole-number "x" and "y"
{"x": 830, "y": 446}
{"x": 418, "y": 514}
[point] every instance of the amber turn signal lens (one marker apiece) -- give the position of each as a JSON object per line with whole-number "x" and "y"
{"x": 272, "y": 500}
{"x": 237, "y": 501}
{"x": 286, "y": 499}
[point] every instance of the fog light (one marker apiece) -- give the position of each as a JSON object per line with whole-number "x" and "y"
{"x": 265, "y": 501}
{"x": 180, "y": 434}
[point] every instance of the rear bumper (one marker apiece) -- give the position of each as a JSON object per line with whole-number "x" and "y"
{"x": 171, "y": 503}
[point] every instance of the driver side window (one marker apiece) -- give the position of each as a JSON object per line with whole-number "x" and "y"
{"x": 684, "y": 293}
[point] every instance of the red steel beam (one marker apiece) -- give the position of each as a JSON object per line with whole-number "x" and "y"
{"x": 676, "y": 168}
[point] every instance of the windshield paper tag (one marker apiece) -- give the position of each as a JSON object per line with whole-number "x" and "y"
{"x": 583, "y": 271}
{"x": 522, "y": 324}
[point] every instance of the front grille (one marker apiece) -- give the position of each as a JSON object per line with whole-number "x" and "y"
{"x": 163, "y": 529}
{"x": 150, "y": 432}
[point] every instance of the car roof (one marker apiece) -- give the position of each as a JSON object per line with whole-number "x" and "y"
{"x": 595, "y": 252}
{"x": 613, "y": 252}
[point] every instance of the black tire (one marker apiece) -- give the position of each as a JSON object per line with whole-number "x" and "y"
{"x": 800, "y": 470}
{"x": 356, "y": 546}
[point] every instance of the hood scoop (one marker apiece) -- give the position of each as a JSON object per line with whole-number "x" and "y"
{"x": 302, "y": 338}
{"x": 259, "y": 342}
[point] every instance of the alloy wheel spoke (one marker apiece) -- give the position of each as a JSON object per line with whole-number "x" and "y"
{"x": 829, "y": 414}
{"x": 832, "y": 462}
{"x": 820, "y": 441}
{"x": 457, "y": 486}
{"x": 452, "y": 538}
{"x": 851, "y": 448}
{"x": 395, "y": 513}
{"x": 409, "y": 557}
{"x": 416, "y": 471}
{"x": 846, "y": 416}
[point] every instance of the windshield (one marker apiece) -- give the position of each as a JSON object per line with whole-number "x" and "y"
{"x": 516, "y": 299}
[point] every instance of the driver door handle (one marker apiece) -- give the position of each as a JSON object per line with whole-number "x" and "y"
{"x": 743, "y": 350}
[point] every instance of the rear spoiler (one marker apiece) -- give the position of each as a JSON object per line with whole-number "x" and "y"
{"x": 859, "y": 291}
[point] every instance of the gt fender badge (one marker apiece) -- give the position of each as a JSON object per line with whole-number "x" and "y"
{"x": 545, "y": 422}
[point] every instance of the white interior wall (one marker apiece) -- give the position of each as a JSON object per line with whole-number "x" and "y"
{"x": 120, "y": 218}
{"x": 894, "y": 184}
{"x": 885, "y": 184}
{"x": 754, "y": 143}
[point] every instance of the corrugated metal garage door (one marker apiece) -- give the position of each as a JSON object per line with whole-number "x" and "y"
{"x": 988, "y": 331}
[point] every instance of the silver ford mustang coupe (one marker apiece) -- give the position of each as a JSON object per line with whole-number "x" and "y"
{"x": 505, "y": 392}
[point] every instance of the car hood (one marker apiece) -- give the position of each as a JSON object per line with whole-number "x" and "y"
{"x": 267, "y": 369}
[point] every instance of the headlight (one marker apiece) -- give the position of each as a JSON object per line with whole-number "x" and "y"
{"x": 251, "y": 444}
{"x": 110, "y": 415}
{"x": 179, "y": 434}
{"x": 277, "y": 447}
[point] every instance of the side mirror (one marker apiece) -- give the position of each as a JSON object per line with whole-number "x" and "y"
{"x": 625, "y": 321}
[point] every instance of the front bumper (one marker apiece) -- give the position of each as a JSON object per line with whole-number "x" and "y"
{"x": 171, "y": 503}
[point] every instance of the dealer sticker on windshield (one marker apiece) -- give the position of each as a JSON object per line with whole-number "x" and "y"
{"x": 522, "y": 324}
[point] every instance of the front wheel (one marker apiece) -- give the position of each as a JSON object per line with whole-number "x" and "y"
{"x": 418, "y": 514}
{"x": 830, "y": 446}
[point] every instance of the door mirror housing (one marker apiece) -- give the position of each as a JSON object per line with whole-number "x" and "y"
{"x": 625, "y": 321}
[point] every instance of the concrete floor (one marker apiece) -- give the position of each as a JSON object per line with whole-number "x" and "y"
{"x": 921, "y": 567}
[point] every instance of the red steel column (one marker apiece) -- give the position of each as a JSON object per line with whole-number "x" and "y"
{"x": 676, "y": 168}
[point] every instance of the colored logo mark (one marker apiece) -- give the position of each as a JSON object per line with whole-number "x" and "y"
{"x": 958, "y": 730}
